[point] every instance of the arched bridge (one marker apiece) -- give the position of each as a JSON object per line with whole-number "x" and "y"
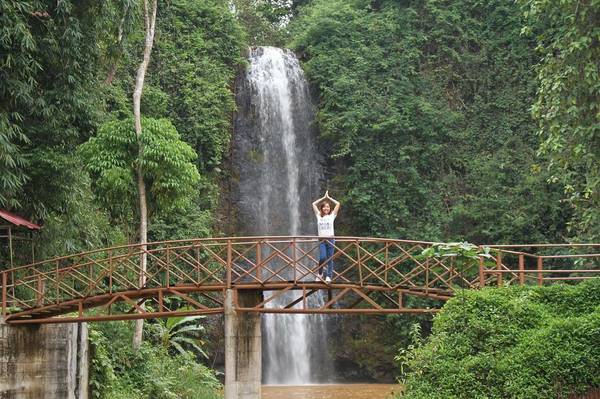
{"x": 190, "y": 277}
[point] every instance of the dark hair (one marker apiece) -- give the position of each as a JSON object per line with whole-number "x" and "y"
{"x": 322, "y": 205}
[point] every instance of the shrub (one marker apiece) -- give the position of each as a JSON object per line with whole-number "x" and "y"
{"x": 537, "y": 342}
{"x": 117, "y": 371}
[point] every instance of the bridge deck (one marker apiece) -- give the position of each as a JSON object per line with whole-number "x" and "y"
{"x": 190, "y": 277}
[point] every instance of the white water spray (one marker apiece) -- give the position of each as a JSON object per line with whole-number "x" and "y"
{"x": 279, "y": 176}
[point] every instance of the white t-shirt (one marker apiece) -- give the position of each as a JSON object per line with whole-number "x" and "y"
{"x": 325, "y": 225}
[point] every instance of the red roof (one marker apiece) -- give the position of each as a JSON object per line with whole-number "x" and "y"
{"x": 17, "y": 221}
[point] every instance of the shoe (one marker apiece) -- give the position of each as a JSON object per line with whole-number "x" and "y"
{"x": 328, "y": 279}
{"x": 319, "y": 277}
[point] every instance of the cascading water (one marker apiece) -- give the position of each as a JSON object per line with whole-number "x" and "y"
{"x": 276, "y": 159}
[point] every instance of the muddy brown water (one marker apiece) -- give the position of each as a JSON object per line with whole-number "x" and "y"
{"x": 330, "y": 391}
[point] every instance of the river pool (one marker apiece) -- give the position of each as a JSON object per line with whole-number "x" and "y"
{"x": 330, "y": 391}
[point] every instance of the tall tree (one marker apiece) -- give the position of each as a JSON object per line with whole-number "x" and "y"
{"x": 150, "y": 9}
{"x": 117, "y": 154}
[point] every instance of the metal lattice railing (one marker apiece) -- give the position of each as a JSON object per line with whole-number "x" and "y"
{"x": 372, "y": 275}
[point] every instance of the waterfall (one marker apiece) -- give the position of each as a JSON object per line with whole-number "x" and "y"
{"x": 279, "y": 175}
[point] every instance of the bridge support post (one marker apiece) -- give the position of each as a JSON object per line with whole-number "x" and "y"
{"x": 47, "y": 361}
{"x": 243, "y": 367}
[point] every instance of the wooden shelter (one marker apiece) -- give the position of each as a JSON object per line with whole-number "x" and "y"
{"x": 15, "y": 228}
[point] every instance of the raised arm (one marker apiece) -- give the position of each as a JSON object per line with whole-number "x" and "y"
{"x": 315, "y": 204}
{"x": 335, "y": 202}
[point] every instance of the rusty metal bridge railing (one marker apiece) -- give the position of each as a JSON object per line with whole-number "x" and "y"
{"x": 189, "y": 277}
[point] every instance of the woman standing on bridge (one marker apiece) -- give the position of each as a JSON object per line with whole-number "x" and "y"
{"x": 325, "y": 217}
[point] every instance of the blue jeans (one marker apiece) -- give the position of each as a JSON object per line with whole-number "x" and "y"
{"x": 326, "y": 254}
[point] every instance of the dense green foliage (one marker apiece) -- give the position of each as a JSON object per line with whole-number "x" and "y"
{"x": 187, "y": 104}
{"x": 112, "y": 158}
{"x": 50, "y": 101}
{"x": 118, "y": 372}
{"x": 426, "y": 112}
{"x": 198, "y": 52}
{"x": 264, "y": 21}
{"x": 424, "y": 109}
{"x": 66, "y": 78}
{"x": 510, "y": 343}
{"x": 365, "y": 65}
{"x": 47, "y": 95}
{"x": 567, "y": 106}
{"x": 55, "y": 95}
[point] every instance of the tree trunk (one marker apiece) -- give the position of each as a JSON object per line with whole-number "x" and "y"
{"x": 150, "y": 24}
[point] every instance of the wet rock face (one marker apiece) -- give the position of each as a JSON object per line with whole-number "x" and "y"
{"x": 44, "y": 362}
{"x": 275, "y": 157}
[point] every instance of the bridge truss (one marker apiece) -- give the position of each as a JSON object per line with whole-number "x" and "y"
{"x": 190, "y": 277}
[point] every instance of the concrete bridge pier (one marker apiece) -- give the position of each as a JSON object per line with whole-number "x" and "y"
{"x": 243, "y": 364}
{"x": 47, "y": 361}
